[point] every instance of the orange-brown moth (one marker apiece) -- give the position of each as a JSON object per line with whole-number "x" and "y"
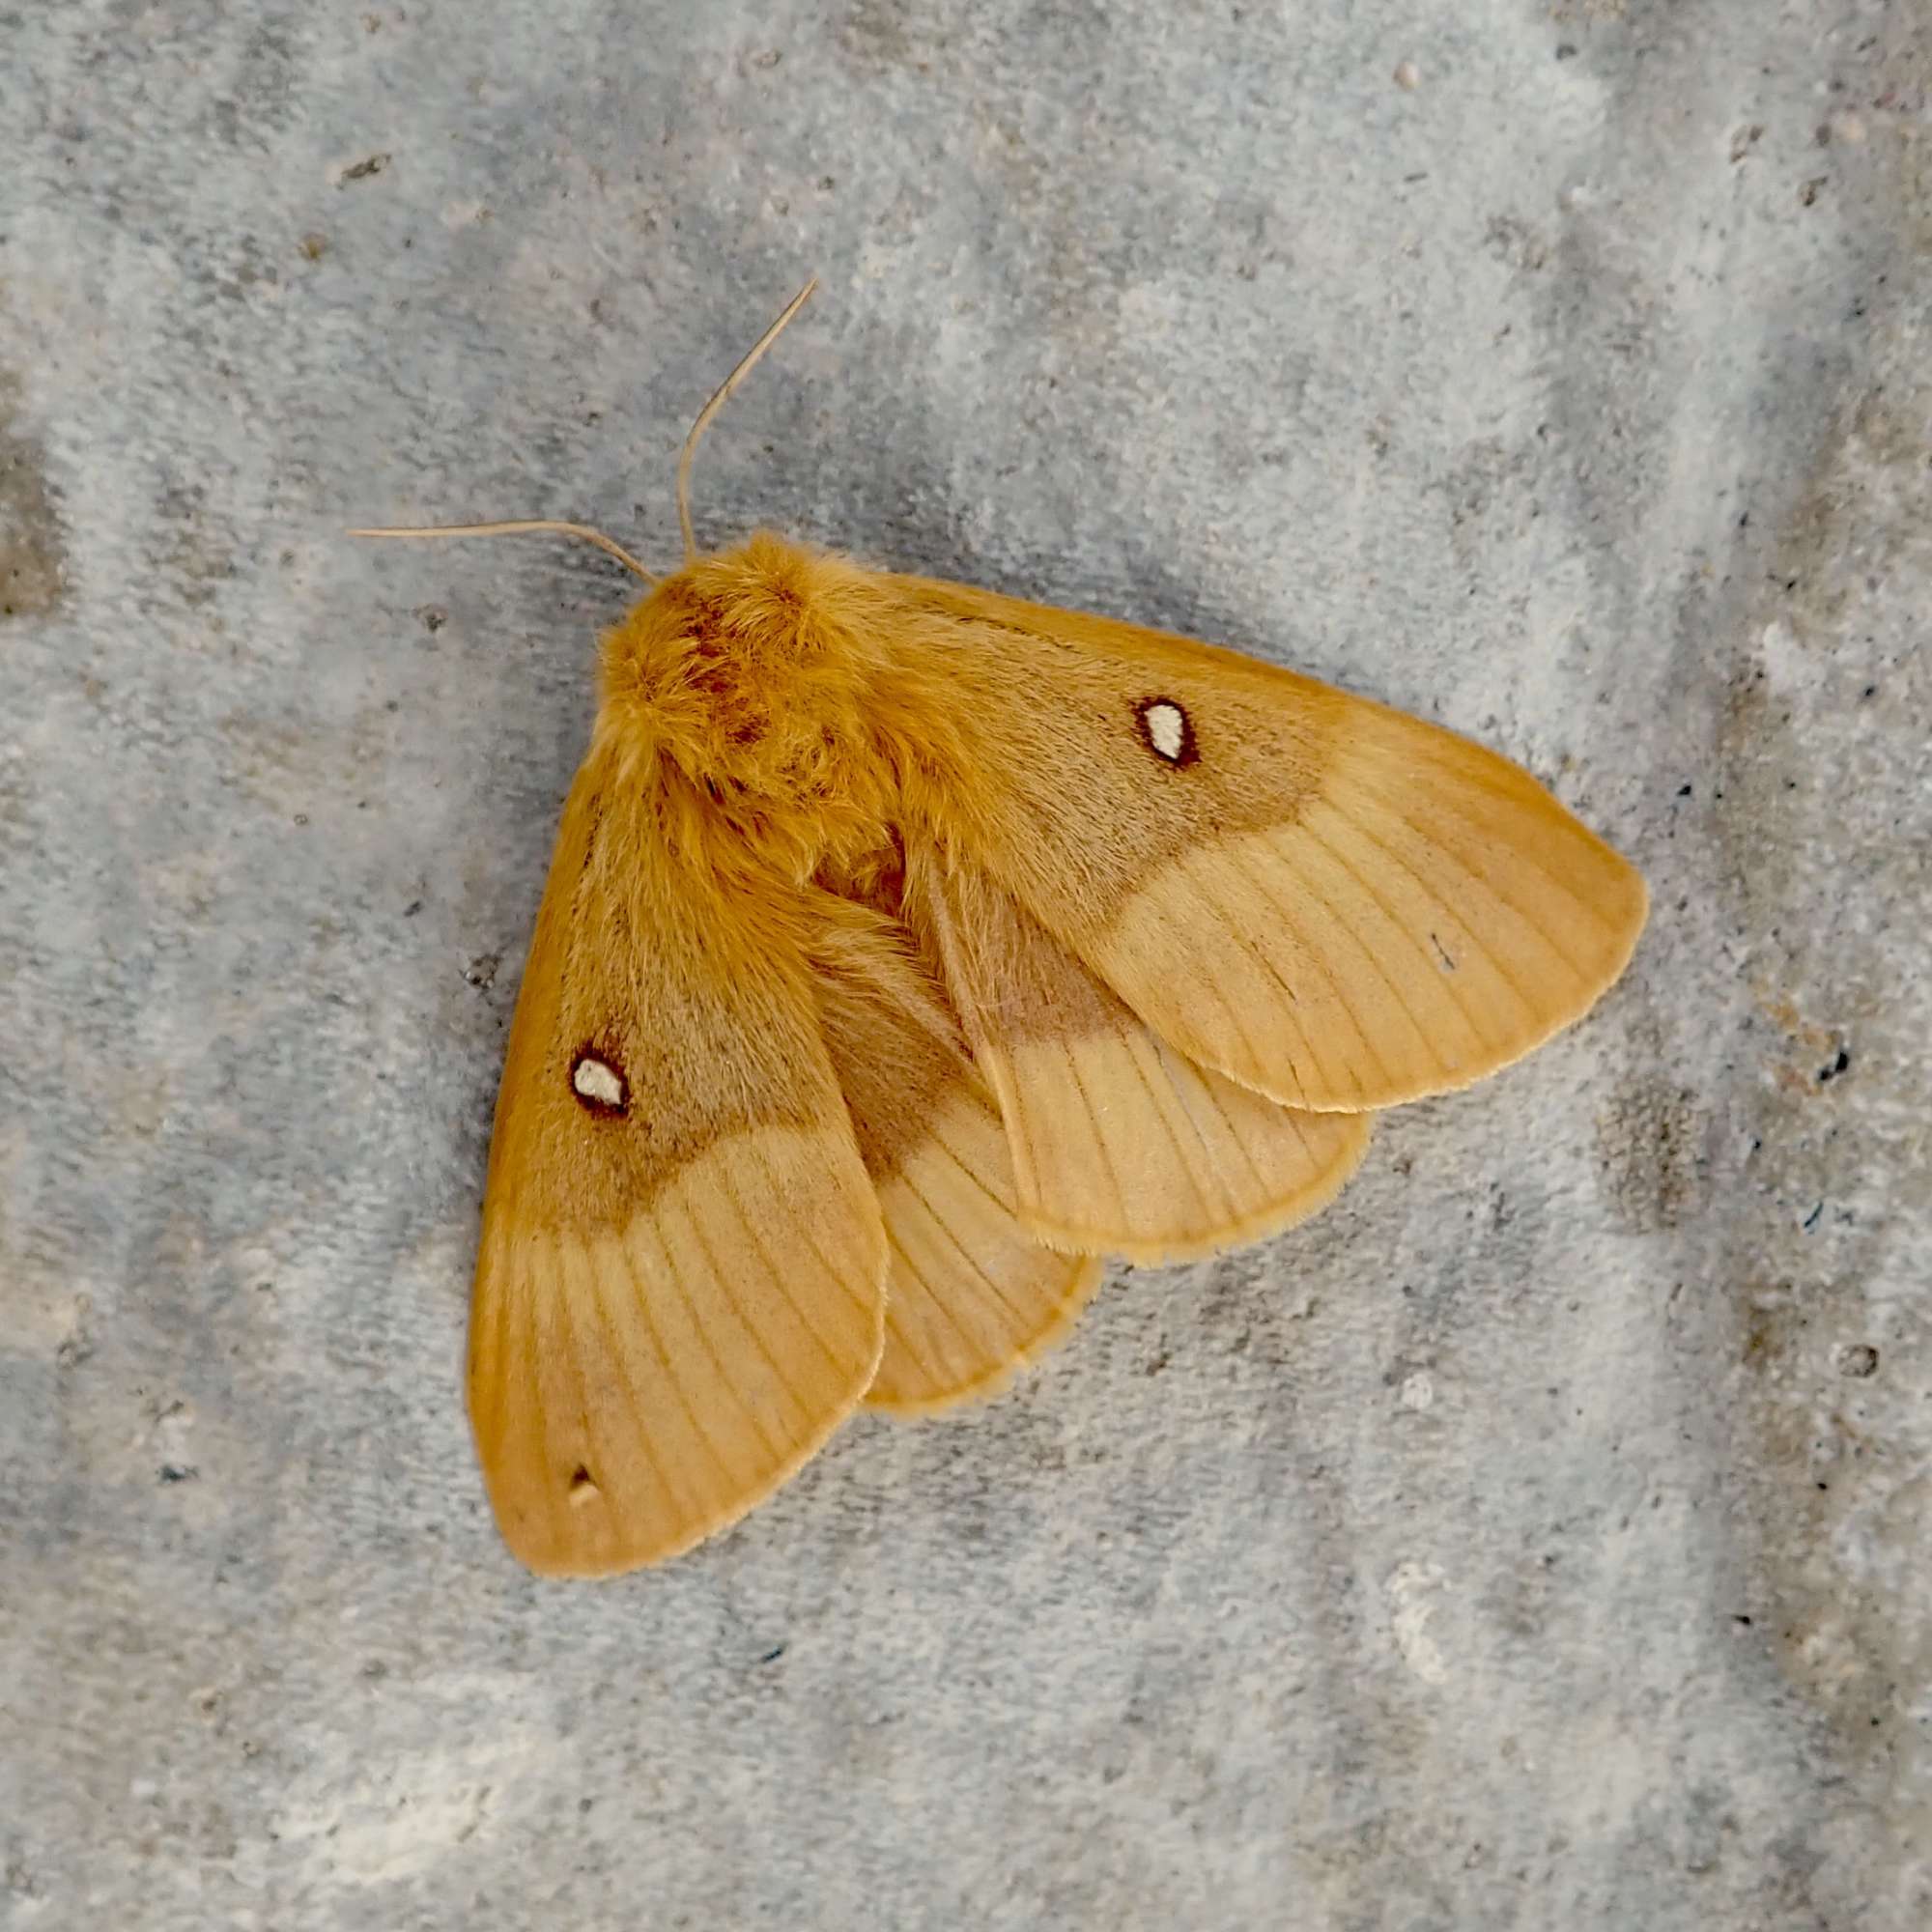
{"x": 906, "y": 947}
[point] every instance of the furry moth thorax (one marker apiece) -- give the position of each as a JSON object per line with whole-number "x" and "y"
{"x": 769, "y": 688}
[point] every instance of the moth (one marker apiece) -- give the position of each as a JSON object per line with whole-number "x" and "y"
{"x": 906, "y": 948}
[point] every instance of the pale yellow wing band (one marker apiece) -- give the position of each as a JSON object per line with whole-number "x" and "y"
{"x": 973, "y": 1297}
{"x": 1432, "y": 915}
{"x": 1119, "y": 1143}
{"x": 635, "y": 1389}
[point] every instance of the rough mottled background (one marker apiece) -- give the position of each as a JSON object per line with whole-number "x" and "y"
{"x": 1542, "y": 1537}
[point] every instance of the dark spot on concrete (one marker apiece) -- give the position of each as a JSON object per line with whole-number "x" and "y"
{"x": 1858, "y": 1360}
{"x": 1514, "y": 244}
{"x": 882, "y": 34}
{"x": 364, "y": 170}
{"x": 33, "y": 546}
{"x": 1834, "y": 1068}
{"x": 1651, "y": 1149}
{"x": 78, "y": 1343}
{"x": 199, "y": 556}
{"x": 481, "y": 972}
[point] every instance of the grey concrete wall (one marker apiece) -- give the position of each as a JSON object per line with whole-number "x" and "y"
{"x": 1540, "y": 1538}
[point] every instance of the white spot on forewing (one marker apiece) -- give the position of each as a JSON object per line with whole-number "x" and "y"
{"x": 597, "y": 1082}
{"x": 1408, "y": 1588}
{"x": 1166, "y": 728}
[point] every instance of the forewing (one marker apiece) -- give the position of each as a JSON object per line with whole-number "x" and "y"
{"x": 1334, "y": 904}
{"x": 681, "y": 1286}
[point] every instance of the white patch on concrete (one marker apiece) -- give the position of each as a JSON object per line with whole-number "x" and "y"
{"x": 1417, "y": 1392}
{"x": 396, "y": 1809}
{"x": 596, "y": 1081}
{"x": 1166, "y": 729}
{"x": 1408, "y": 1588}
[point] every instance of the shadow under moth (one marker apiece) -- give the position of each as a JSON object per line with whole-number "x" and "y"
{"x": 907, "y": 947}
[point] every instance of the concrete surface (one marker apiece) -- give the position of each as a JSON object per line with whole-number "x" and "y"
{"x": 1541, "y": 1539}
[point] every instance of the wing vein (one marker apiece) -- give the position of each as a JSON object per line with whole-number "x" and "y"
{"x": 1320, "y": 965}
{"x": 873, "y": 1306}
{"x": 1448, "y": 808}
{"x": 1162, "y": 1114}
{"x": 1291, "y": 1014}
{"x": 752, "y": 1330}
{"x": 952, "y": 1320}
{"x": 1235, "y": 1134}
{"x": 569, "y": 1352}
{"x": 634, "y": 1396}
{"x": 1234, "y": 1013}
{"x": 732, "y": 1486}
{"x": 1019, "y": 1137}
{"x": 993, "y": 1295}
{"x": 752, "y": 1235}
{"x": 959, "y": 1160}
{"x": 1099, "y": 1132}
{"x": 1368, "y": 952}
{"x": 1442, "y": 905}
{"x": 927, "y": 1361}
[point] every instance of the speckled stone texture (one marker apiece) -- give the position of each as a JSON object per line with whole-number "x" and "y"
{"x": 1541, "y": 1539}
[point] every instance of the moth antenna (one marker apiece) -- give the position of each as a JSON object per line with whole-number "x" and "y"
{"x": 718, "y": 402}
{"x": 609, "y": 545}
